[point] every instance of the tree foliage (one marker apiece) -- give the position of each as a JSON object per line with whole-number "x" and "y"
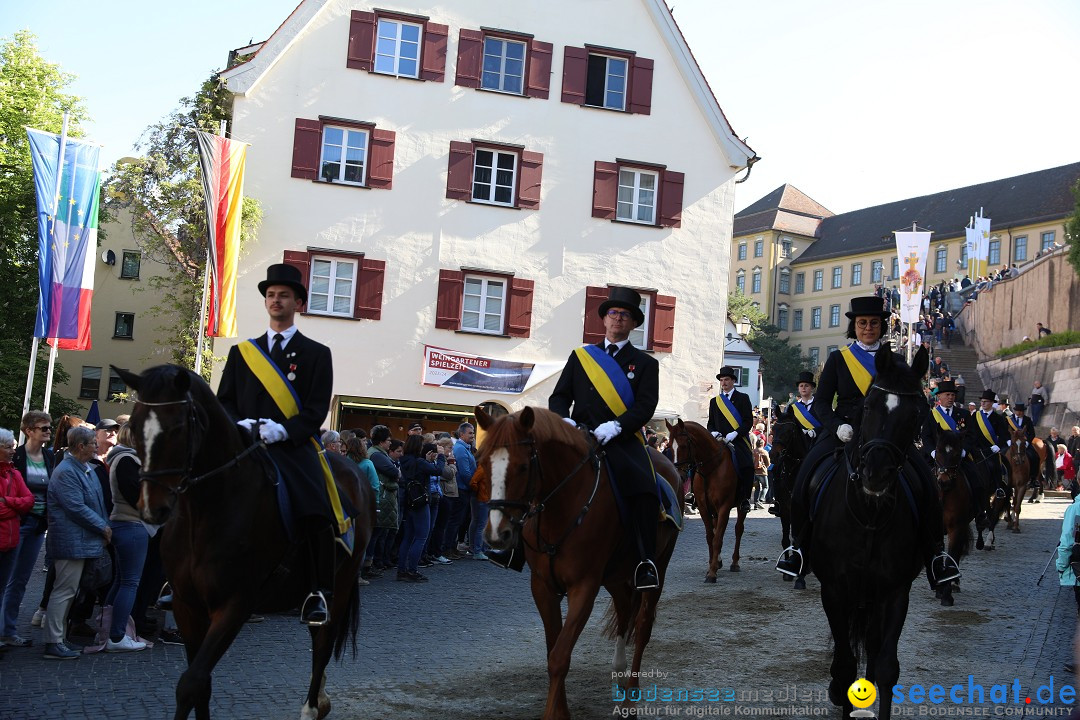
{"x": 34, "y": 94}
{"x": 163, "y": 193}
{"x": 1072, "y": 230}
{"x": 780, "y": 360}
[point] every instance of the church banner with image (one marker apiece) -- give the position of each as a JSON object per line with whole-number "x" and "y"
{"x": 911, "y": 249}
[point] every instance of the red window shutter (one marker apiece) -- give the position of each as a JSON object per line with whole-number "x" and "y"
{"x": 451, "y": 292}
{"x": 671, "y": 196}
{"x": 519, "y": 308}
{"x": 470, "y": 55}
{"x": 539, "y": 70}
{"x": 663, "y": 323}
{"x": 361, "y": 54}
{"x": 575, "y": 69}
{"x": 594, "y": 324}
{"x": 605, "y": 189}
{"x": 641, "y": 86}
{"x": 381, "y": 159}
{"x": 433, "y": 55}
{"x": 369, "y": 289}
{"x": 301, "y": 260}
{"x": 459, "y": 171}
{"x": 532, "y": 167}
{"x": 307, "y": 139}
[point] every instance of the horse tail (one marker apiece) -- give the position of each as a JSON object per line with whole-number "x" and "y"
{"x": 612, "y": 620}
{"x": 859, "y": 628}
{"x": 345, "y": 632}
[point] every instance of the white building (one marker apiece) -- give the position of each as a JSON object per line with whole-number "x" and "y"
{"x": 502, "y": 167}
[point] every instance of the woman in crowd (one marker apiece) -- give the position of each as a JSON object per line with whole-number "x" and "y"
{"x": 386, "y": 519}
{"x": 1070, "y": 526}
{"x": 34, "y": 460}
{"x": 129, "y": 540}
{"x": 60, "y": 434}
{"x": 761, "y": 472}
{"x": 1065, "y": 467}
{"x": 16, "y": 501}
{"x": 441, "y": 540}
{"x": 419, "y": 463}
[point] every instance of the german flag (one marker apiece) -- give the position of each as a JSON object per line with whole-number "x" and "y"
{"x": 222, "y": 163}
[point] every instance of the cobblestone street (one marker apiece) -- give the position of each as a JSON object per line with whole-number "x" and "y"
{"x": 469, "y": 644}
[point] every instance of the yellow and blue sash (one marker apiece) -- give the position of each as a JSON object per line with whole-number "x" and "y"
{"x": 1012, "y": 422}
{"x": 608, "y": 379}
{"x": 986, "y": 428}
{"x": 805, "y": 417}
{"x": 946, "y": 422}
{"x": 284, "y": 396}
{"x": 732, "y": 415}
{"x": 861, "y": 366}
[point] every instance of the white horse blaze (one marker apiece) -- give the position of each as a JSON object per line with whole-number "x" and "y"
{"x": 500, "y": 462}
{"x": 151, "y": 429}
{"x": 892, "y": 401}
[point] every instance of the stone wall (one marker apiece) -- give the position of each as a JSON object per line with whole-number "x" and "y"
{"x": 1058, "y": 369}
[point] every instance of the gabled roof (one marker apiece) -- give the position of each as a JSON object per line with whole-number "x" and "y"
{"x": 1037, "y": 197}
{"x": 787, "y": 197}
{"x": 786, "y": 208}
{"x": 243, "y": 77}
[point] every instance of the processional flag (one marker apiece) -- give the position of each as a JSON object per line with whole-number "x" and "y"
{"x": 67, "y": 208}
{"x": 911, "y": 251}
{"x": 222, "y": 162}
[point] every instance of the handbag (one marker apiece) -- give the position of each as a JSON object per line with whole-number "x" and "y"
{"x": 416, "y": 495}
{"x": 97, "y": 573}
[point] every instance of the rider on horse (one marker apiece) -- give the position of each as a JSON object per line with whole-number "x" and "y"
{"x": 987, "y": 442}
{"x": 281, "y": 382}
{"x": 1020, "y": 421}
{"x": 847, "y": 376}
{"x": 802, "y": 409}
{"x": 613, "y": 388}
{"x": 946, "y": 415}
{"x": 730, "y": 417}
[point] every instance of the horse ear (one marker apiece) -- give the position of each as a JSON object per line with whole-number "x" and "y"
{"x": 130, "y": 379}
{"x": 921, "y": 363}
{"x": 527, "y": 418}
{"x": 182, "y": 381}
{"x": 670, "y": 427}
{"x": 482, "y": 418}
{"x": 884, "y": 359}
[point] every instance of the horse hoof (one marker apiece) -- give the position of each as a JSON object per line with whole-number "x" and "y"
{"x": 979, "y": 544}
{"x": 800, "y": 584}
{"x": 710, "y": 579}
{"x": 787, "y": 578}
{"x": 1016, "y": 529}
{"x": 947, "y": 601}
{"x": 938, "y": 593}
{"x": 735, "y": 567}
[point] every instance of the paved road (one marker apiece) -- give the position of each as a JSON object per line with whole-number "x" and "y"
{"x": 470, "y": 645}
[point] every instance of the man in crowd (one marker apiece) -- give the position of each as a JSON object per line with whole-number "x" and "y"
{"x": 1038, "y": 401}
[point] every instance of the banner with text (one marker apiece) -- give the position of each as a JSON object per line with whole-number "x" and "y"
{"x": 465, "y": 371}
{"x": 911, "y": 251}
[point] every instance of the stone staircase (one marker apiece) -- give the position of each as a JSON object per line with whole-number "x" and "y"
{"x": 962, "y": 360}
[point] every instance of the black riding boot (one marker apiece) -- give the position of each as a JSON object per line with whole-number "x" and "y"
{"x": 940, "y": 566}
{"x": 645, "y": 514}
{"x": 316, "y": 608}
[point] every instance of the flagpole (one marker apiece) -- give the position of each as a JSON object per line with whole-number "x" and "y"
{"x": 205, "y": 293}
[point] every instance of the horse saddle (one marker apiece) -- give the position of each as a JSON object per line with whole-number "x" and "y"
{"x": 831, "y": 465}
{"x": 670, "y": 506}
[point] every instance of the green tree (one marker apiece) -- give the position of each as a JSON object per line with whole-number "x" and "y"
{"x": 1072, "y": 230}
{"x": 780, "y": 360}
{"x": 34, "y": 93}
{"x": 163, "y": 193}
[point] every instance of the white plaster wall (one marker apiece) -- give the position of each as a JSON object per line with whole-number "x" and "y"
{"x": 417, "y": 231}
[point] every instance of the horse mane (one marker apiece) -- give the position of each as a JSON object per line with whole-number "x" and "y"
{"x": 547, "y": 427}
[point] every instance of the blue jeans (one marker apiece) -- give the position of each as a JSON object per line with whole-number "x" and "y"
{"x": 129, "y": 540}
{"x": 417, "y": 527}
{"x": 459, "y": 516}
{"x": 479, "y": 522}
{"x": 31, "y": 538}
{"x": 434, "y": 540}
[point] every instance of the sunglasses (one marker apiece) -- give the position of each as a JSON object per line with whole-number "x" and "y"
{"x": 43, "y": 428}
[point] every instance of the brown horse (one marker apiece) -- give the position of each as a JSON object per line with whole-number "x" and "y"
{"x": 957, "y": 502}
{"x": 225, "y": 551}
{"x": 549, "y": 488}
{"x": 713, "y": 471}
{"x": 1016, "y": 460}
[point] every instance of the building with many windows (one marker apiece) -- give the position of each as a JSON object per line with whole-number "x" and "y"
{"x": 814, "y": 261}
{"x": 461, "y": 184}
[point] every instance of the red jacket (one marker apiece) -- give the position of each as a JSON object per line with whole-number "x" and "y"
{"x": 16, "y": 502}
{"x": 1069, "y": 467}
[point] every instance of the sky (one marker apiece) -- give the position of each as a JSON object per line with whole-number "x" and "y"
{"x": 855, "y": 103}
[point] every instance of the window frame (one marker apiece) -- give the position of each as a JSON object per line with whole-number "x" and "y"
{"x": 834, "y": 316}
{"x": 111, "y": 392}
{"x": 797, "y": 320}
{"x": 800, "y": 283}
{"x": 837, "y": 277}
{"x": 895, "y": 270}
{"x": 346, "y": 128}
{"x": 740, "y": 280}
{"x": 993, "y": 253}
{"x": 877, "y": 271}
{"x": 1020, "y": 243}
{"x": 830, "y": 349}
{"x": 814, "y": 355}
{"x": 646, "y": 327}
{"x": 400, "y": 22}
{"x": 759, "y": 247}
{"x": 755, "y": 281}
{"x": 742, "y": 251}
{"x": 784, "y": 283}
{"x": 334, "y": 261}
{"x": 856, "y": 274}
{"x": 124, "y": 255}
{"x": 1047, "y": 240}
{"x": 627, "y": 60}
{"x": 815, "y": 318}
{"x": 787, "y": 247}
{"x": 782, "y": 317}
{"x": 634, "y": 206}
{"x": 485, "y": 279}
{"x": 524, "y": 78}
{"x": 819, "y": 280}
{"x": 131, "y": 326}
{"x": 941, "y": 260}
{"x": 84, "y": 388}
{"x": 494, "y": 186}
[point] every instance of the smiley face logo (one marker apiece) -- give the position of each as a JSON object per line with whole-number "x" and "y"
{"x": 862, "y": 693}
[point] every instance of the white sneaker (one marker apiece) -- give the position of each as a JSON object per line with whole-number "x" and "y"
{"x": 443, "y": 560}
{"x": 480, "y": 556}
{"x": 126, "y": 644}
{"x": 362, "y": 581}
{"x": 463, "y": 548}
{"x": 39, "y": 615}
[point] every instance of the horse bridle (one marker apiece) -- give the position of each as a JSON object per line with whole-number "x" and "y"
{"x": 693, "y": 465}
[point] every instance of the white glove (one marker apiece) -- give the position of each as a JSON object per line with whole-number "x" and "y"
{"x": 810, "y": 433}
{"x": 272, "y": 432}
{"x": 845, "y": 433}
{"x": 730, "y": 437}
{"x": 1008, "y": 443}
{"x": 570, "y": 422}
{"x": 994, "y": 449}
{"x": 933, "y": 454}
{"x": 247, "y": 423}
{"x": 606, "y": 432}
{"x": 963, "y": 453}
{"x": 716, "y": 434}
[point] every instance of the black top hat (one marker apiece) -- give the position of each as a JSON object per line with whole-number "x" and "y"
{"x": 727, "y": 371}
{"x": 988, "y": 395}
{"x": 806, "y": 377}
{"x": 869, "y": 305}
{"x": 626, "y": 298}
{"x": 946, "y": 386}
{"x": 1019, "y": 407}
{"x": 287, "y": 275}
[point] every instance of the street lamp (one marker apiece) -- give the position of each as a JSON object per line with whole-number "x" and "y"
{"x": 743, "y": 327}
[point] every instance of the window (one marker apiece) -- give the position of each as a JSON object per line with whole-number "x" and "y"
{"x": 637, "y": 196}
{"x": 742, "y": 376}
{"x": 1020, "y": 249}
{"x": 941, "y": 260}
{"x": 344, "y": 155}
{"x": 116, "y": 385}
{"x": 876, "y": 269}
{"x": 740, "y": 281}
{"x": 895, "y": 275}
{"x": 755, "y": 283}
{"x": 834, "y": 316}
{"x": 504, "y": 65}
{"x": 742, "y": 251}
{"x": 397, "y": 48}
{"x": 656, "y": 334}
{"x": 815, "y": 318}
{"x": 796, "y": 321}
{"x": 814, "y": 357}
{"x": 785, "y": 281}
{"x": 819, "y": 280}
{"x": 995, "y": 252}
{"x": 607, "y": 78}
{"x": 800, "y": 283}
{"x": 333, "y": 282}
{"x": 831, "y": 349}
{"x": 91, "y": 382}
{"x": 963, "y": 254}
{"x": 124, "y": 326}
{"x": 1047, "y": 240}
{"x": 856, "y": 274}
{"x": 837, "y": 277}
{"x": 493, "y": 176}
{"x": 785, "y": 247}
{"x": 639, "y": 336}
{"x": 483, "y": 303}
{"x": 606, "y": 81}
{"x": 782, "y": 318}
{"x": 130, "y": 265}
{"x": 759, "y": 247}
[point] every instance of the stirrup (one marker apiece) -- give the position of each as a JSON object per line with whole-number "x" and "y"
{"x": 656, "y": 575}
{"x": 950, "y": 569}
{"x": 787, "y": 554}
{"x": 313, "y": 604}
{"x": 165, "y": 597}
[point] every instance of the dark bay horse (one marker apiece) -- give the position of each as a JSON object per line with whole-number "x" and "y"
{"x": 866, "y": 547}
{"x": 789, "y": 448}
{"x": 1016, "y": 460}
{"x": 225, "y": 551}
{"x": 957, "y": 502}
{"x": 712, "y": 469}
{"x": 548, "y": 489}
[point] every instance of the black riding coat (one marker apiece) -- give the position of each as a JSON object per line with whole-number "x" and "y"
{"x": 978, "y": 440}
{"x": 836, "y": 381}
{"x": 963, "y": 426}
{"x": 744, "y": 456}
